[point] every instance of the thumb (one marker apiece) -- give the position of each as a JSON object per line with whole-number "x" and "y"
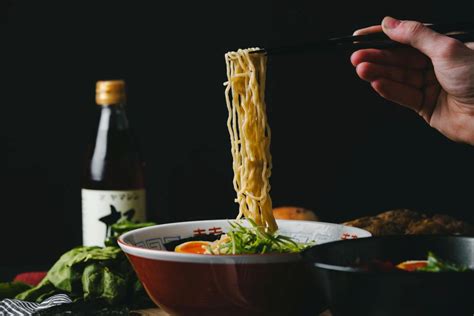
{"x": 419, "y": 36}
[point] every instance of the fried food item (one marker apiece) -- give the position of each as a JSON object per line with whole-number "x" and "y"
{"x": 376, "y": 226}
{"x": 294, "y": 213}
{"x": 404, "y": 221}
{"x": 460, "y": 227}
{"x": 401, "y": 217}
{"x": 427, "y": 227}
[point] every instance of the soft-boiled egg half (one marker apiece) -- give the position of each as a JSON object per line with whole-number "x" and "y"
{"x": 412, "y": 265}
{"x": 197, "y": 247}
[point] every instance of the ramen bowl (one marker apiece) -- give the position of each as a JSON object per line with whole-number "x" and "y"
{"x": 194, "y": 284}
{"x": 357, "y": 278}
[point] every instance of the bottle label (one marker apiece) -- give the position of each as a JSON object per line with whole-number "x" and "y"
{"x": 102, "y": 208}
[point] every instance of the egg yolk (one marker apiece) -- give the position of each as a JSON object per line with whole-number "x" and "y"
{"x": 197, "y": 247}
{"x": 412, "y": 265}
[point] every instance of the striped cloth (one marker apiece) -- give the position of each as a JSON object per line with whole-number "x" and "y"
{"x": 14, "y": 307}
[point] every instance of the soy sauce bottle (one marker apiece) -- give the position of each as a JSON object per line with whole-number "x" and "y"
{"x": 113, "y": 187}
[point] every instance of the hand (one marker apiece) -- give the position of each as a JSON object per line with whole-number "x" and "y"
{"x": 434, "y": 77}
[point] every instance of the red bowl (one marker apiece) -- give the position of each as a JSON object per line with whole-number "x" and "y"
{"x": 191, "y": 284}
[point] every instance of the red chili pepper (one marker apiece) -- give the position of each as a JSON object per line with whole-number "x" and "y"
{"x": 31, "y": 278}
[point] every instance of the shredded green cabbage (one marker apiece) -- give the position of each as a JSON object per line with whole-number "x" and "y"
{"x": 254, "y": 240}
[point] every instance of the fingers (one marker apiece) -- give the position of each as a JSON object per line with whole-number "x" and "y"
{"x": 421, "y": 37}
{"x": 405, "y": 76}
{"x": 368, "y": 30}
{"x": 431, "y": 93}
{"x": 422, "y": 102}
{"x": 400, "y": 93}
{"x": 403, "y": 57}
{"x": 371, "y": 72}
{"x": 430, "y": 77}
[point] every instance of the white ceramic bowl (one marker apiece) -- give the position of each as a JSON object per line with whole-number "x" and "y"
{"x": 148, "y": 242}
{"x": 193, "y": 284}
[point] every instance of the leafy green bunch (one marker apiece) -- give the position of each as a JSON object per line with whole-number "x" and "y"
{"x": 122, "y": 227}
{"x": 88, "y": 274}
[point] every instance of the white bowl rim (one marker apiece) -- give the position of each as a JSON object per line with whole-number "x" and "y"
{"x": 165, "y": 255}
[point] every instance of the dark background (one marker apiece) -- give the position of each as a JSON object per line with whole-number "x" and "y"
{"x": 338, "y": 148}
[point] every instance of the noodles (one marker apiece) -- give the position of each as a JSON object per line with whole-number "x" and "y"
{"x": 249, "y": 135}
{"x": 252, "y": 164}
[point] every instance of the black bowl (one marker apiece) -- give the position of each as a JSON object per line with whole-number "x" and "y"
{"x": 349, "y": 289}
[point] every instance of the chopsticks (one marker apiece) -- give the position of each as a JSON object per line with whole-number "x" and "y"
{"x": 462, "y": 31}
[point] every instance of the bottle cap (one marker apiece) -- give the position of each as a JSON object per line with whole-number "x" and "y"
{"x": 110, "y": 92}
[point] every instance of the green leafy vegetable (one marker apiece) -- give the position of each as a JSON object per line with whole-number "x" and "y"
{"x": 40, "y": 292}
{"x": 437, "y": 265}
{"x": 94, "y": 275}
{"x": 121, "y": 227}
{"x": 85, "y": 273}
{"x": 255, "y": 240}
{"x": 11, "y": 289}
{"x": 85, "y": 308}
